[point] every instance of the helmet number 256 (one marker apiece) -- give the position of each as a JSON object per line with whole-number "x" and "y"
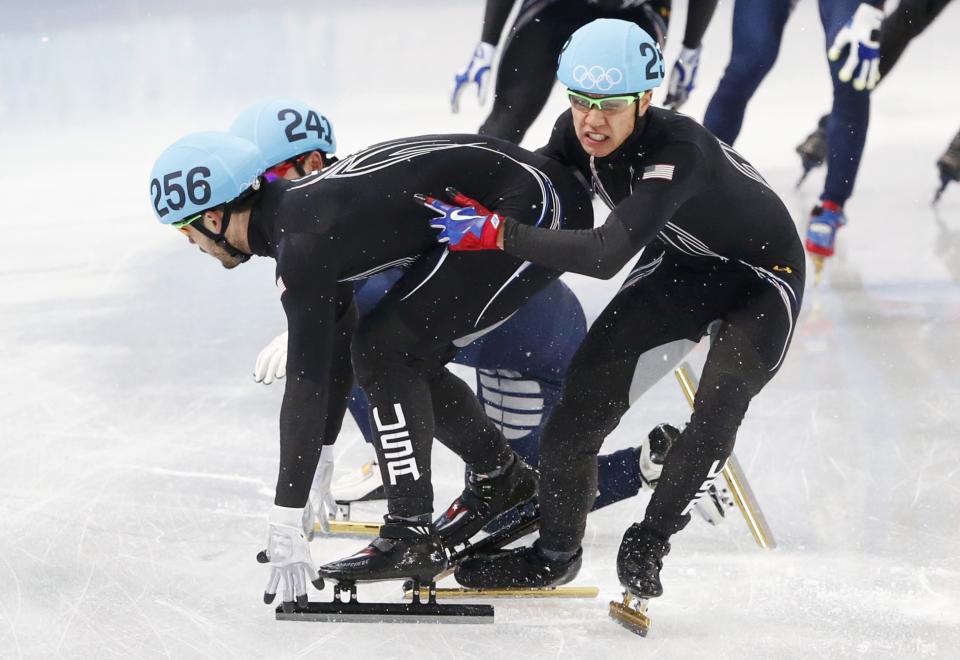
{"x": 173, "y": 194}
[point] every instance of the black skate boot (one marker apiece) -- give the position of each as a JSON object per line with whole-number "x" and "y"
{"x": 813, "y": 150}
{"x": 484, "y": 499}
{"x": 519, "y": 568}
{"x": 949, "y": 166}
{"x": 403, "y": 550}
{"x": 639, "y": 561}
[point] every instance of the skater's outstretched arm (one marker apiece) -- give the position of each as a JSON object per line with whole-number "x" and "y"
{"x": 658, "y": 193}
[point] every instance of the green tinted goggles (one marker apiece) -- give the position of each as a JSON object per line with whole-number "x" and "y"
{"x": 603, "y": 104}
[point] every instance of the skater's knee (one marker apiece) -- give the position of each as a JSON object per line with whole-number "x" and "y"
{"x": 747, "y": 70}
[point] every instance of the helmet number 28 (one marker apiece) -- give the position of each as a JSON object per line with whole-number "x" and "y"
{"x": 173, "y": 194}
{"x": 656, "y": 58}
{"x": 315, "y": 124}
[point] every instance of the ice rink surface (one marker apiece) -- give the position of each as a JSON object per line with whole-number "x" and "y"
{"x": 138, "y": 455}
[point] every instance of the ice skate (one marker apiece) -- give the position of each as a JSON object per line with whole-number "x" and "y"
{"x": 715, "y": 503}
{"x": 403, "y": 550}
{"x": 813, "y": 149}
{"x": 825, "y": 220}
{"x": 523, "y": 568}
{"x": 639, "y": 562}
{"x": 527, "y": 521}
{"x": 485, "y": 498}
{"x": 949, "y": 166}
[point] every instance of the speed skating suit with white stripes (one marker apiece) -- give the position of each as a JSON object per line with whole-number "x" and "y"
{"x": 357, "y": 218}
{"x": 720, "y": 255}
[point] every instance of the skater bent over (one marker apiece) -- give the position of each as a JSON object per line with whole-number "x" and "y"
{"x": 349, "y": 221}
{"x": 720, "y": 253}
{"x": 520, "y": 364}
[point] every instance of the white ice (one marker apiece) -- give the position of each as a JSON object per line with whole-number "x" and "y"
{"x": 138, "y": 456}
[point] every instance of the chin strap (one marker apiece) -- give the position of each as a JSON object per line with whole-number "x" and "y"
{"x": 221, "y": 238}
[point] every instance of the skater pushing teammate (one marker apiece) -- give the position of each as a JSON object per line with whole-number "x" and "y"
{"x": 720, "y": 254}
{"x": 520, "y": 363}
{"x": 349, "y": 221}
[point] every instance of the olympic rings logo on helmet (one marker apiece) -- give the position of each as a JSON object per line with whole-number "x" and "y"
{"x": 596, "y": 77}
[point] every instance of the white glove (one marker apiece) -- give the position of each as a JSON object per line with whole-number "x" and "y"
{"x": 862, "y": 35}
{"x": 272, "y": 362}
{"x": 288, "y": 554}
{"x": 682, "y": 77}
{"x": 322, "y": 504}
{"x": 477, "y": 71}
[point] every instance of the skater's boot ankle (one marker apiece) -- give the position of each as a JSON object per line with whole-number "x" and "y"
{"x": 485, "y": 497}
{"x": 949, "y": 162}
{"x": 640, "y": 560}
{"x": 405, "y": 549}
{"x": 653, "y": 452}
{"x": 825, "y": 220}
{"x": 813, "y": 149}
{"x": 529, "y": 567}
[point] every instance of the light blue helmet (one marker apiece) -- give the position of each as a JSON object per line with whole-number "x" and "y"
{"x": 609, "y": 56}
{"x": 284, "y": 128}
{"x": 203, "y": 170}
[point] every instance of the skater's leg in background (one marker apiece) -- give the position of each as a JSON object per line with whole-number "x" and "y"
{"x": 757, "y": 29}
{"x": 908, "y": 20}
{"x": 527, "y": 70}
{"x": 849, "y": 116}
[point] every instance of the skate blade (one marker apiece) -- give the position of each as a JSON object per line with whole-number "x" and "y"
{"x": 631, "y": 614}
{"x": 351, "y": 528}
{"x": 939, "y": 193}
{"x": 354, "y": 612}
{"x": 818, "y": 262}
{"x": 546, "y": 592}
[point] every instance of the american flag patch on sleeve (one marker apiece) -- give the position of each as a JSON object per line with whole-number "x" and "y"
{"x": 658, "y": 172}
